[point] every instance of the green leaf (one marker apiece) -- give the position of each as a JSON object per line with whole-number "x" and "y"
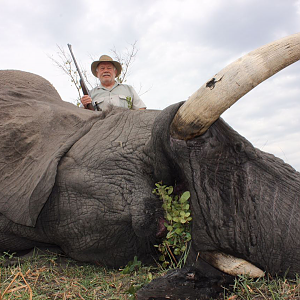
{"x": 165, "y": 264}
{"x": 177, "y": 225}
{"x": 168, "y": 198}
{"x": 169, "y": 218}
{"x": 175, "y": 213}
{"x": 175, "y": 240}
{"x": 162, "y": 258}
{"x": 184, "y": 197}
{"x": 178, "y": 230}
{"x": 170, "y": 190}
{"x": 170, "y": 234}
{"x": 177, "y": 251}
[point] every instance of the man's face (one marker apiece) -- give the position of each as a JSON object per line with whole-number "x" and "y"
{"x": 106, "y": 72}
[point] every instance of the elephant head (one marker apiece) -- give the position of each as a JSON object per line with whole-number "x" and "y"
{"x": 245, "y": 202}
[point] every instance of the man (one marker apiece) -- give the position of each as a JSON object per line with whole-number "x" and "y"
{"x": 109, "y": 92}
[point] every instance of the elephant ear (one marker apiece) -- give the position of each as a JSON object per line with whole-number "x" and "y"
{"x": 36, "y": 129}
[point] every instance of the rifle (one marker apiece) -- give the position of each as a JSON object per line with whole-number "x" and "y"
{"x": 81, "y": 81}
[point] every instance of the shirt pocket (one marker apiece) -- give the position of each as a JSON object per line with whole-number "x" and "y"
{"x": 99, "y": 99}
{"x": 125, "y": 101}
{"x": 98, "y": 102}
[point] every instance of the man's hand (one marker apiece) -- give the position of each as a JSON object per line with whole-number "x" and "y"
{"x": 86, "y": 101}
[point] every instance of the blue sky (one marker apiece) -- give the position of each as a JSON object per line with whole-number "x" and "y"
{"x": 181, "y": 44}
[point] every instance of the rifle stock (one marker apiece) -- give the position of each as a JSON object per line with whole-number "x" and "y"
{"x": 85, "y": 91}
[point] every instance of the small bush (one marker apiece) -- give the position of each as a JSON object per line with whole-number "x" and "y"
{"x": 177, "y": 213}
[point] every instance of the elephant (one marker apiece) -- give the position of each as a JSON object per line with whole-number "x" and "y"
{"x": 83, "y": 180}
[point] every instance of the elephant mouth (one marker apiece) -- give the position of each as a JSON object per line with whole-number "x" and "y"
{"x": 161, "y": 228}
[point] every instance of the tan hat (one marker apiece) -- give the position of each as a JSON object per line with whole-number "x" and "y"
{"x": 105, "y": 58}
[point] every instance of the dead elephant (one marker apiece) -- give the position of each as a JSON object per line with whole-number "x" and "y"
{"x": 83, "y": 180}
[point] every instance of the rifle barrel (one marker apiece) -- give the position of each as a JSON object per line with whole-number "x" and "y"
{"x": 82, "y": 83}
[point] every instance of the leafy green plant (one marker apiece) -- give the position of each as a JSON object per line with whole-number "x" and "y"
{"x": 6, "y": 256}
{"x": 129, "y": 101}
{"x": 175, "y": 246}
{"x": 132, "y": 266}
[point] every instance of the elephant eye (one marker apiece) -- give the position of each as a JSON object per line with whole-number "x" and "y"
{"x": 239, "y": 147}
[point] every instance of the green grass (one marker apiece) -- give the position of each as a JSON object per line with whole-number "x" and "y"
{"x": 265, "y": 288}
{"x": 47, "y": 275}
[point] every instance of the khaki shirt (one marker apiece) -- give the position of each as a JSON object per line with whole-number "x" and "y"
{"x": 121, "y": 95}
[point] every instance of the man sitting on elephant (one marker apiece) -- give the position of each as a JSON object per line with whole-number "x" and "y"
{"x": 110, "y": 92}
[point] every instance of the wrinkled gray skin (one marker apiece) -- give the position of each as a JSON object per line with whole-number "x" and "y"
{"x": 101, "y": 208}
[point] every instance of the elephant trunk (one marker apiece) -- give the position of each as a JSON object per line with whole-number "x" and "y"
{"x": 206, "y": 105}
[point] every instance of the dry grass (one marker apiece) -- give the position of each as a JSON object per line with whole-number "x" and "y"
{"x": 51, "y": 276}
{"x": 47, "y": 275}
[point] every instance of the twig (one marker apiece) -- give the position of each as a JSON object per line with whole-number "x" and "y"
{"x": 29, "y": 288}
{"x": 8, "y": 287}
{"x": 171, "y": 253}
{"x": 7, "y": 290}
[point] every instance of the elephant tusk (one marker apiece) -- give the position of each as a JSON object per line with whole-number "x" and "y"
{"x": 206, "y": 105}
{"x": 230, "y": 264}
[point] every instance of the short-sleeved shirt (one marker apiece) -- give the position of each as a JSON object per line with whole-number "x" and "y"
{"x": 121, "y": 95}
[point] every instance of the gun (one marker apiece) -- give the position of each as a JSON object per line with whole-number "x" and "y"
{"x": 81, "y": 81}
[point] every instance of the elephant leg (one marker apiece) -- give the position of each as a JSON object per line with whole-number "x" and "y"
{"x": 15, "y": 237}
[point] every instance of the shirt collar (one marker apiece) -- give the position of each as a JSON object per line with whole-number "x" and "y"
{"x": 100, "y": 86}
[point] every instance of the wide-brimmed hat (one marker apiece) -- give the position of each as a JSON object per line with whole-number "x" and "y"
{"x": 105, "y": 58}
